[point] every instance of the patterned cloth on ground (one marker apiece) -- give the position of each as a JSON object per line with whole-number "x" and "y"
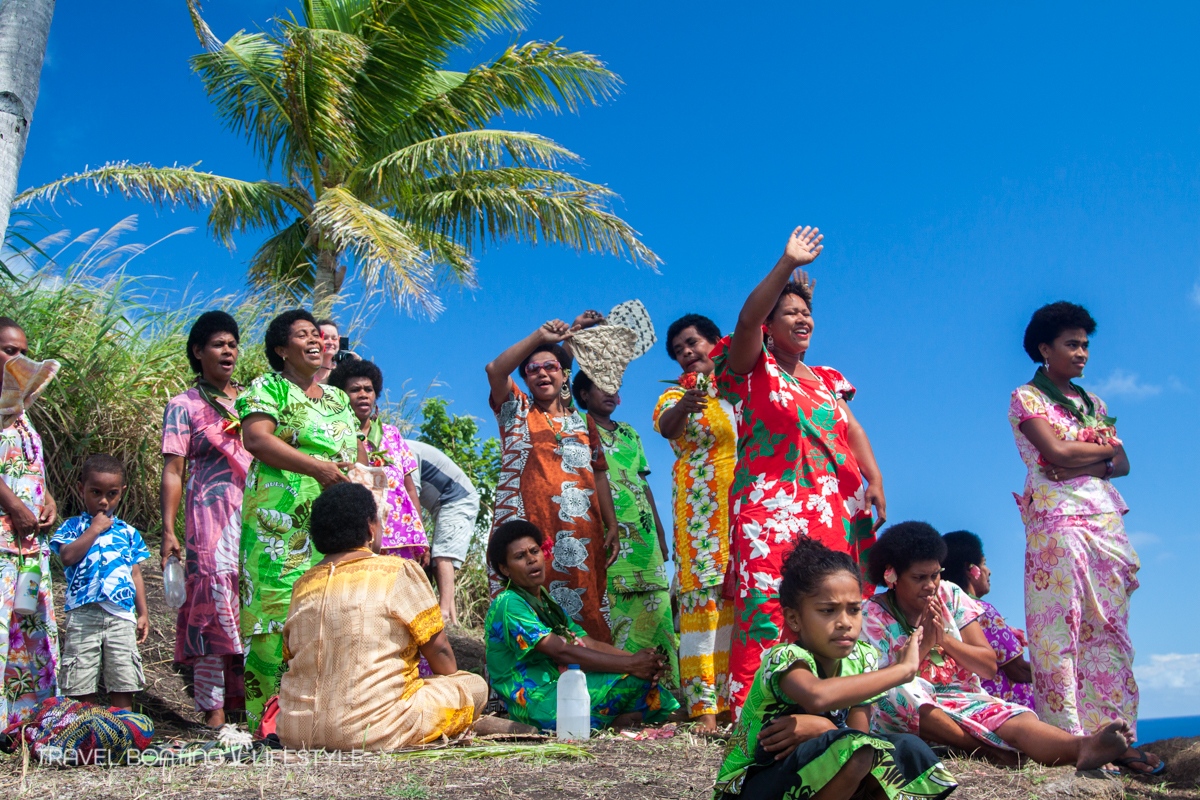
{"x": 67, "y": 732}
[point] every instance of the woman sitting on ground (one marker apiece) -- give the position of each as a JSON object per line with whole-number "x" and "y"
{"x": 966, "y": 566}
{"x": 945, "y": 704}
{"x": 531, "y": 640}
{"x": 356, "y": 627}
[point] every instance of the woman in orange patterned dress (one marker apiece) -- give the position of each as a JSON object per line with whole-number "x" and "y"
{"x": 702, "y": 431}
{"x": 553, "y": 472}
{"x": 357, "y": 624}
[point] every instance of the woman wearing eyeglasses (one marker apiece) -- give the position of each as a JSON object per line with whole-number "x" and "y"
{"x": 553, "y": 472}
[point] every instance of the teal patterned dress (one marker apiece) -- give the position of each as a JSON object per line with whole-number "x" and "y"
{"x": 275, "y": 548}
{"x": 904, "y": 766}
{"x": 527, "y": 679}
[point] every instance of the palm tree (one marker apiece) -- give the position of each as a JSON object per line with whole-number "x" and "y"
{"x": 24, "y": 29}
{"x": 387, "y": 164}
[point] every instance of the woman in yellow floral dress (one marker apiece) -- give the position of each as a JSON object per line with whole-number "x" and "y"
{"x": 702, "y": 432}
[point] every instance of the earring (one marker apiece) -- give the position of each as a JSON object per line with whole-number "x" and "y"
{"x": 565, "y": 391}
{"x": 770, "y": 342}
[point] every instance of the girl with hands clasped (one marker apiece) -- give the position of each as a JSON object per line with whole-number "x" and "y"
{"x": 810, "y": 465}
{"x": 805, "y": 727}
{"x": 553, "y": 472}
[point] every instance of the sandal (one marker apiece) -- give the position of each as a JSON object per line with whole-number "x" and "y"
{"x": 1140, "y": 758}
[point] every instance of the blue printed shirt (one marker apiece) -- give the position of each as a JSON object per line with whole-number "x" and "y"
{"x": 105, "y": 574}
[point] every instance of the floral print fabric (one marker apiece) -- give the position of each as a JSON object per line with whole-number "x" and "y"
{"x": 795, "y": 476}
{"x": 207, "y": 624}
{"x": 275, "y": 548}
{"x": 1080, "y": 571}
{"x": 23, "y": 469}
{"x": 1009, "y": 644}
{"x": 404, "y": 533}
{"x": 547, "y": 476}
{"x": 951, "y": 687}
{"x": 28, "y": 644}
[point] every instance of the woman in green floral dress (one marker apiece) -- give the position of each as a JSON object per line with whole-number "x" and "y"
{"x": 639, "y": 594}
{"x": 302, "y": 437}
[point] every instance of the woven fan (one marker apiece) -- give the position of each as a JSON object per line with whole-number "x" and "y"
{"x": 603, "y": 352}
{"x": 633, "y": 315}
{"x": 24, "y": 380}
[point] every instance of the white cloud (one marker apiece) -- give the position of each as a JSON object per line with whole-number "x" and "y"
{"x": 1126, "y": 384}
{"x": 1178, "y": 671}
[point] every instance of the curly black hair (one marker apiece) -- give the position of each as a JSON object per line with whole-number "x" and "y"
{"x": 9, "y": 322}
{"x": 580, "y": 387}
{"x": 204, "y": 328}
{"x": 809, "y": 563}
{"x": 963, "y": 551}
{"x": 1048, "y": 323}
{"x": 801, "y": 290}
{"x": 101, "y": 463}
{"x": 341, "y": 518}
{"x": 560, "y": 355}
{"x": 703, "y": 325}
{"x": 356, "y": 368}
{"x": 506, "y": 534}
{"x": 278, "y": 332}
{"x": 903, "y": 545}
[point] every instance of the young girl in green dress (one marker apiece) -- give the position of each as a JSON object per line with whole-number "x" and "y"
{"x": 804, "y": 730}
{"x": 639, "y": 595}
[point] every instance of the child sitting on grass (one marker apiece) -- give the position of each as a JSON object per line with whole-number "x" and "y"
{"x": 106, "y": 601}
{"x": 805, "y": 728}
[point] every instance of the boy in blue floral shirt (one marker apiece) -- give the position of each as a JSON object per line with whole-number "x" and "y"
{"x": 106, "y": 599}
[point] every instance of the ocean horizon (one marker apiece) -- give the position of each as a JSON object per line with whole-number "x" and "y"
{"x": 1152, "y": 730}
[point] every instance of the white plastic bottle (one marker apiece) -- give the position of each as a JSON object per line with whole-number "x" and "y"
{"x": 173, "y": 585}
{"x": 574, "y": 721}
{"x": 29, "y": 578}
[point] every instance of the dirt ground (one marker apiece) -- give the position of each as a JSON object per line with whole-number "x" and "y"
{"x": 607, "y": 767}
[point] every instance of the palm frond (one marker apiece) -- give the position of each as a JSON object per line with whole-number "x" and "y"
{"x": 525, "y": 79}
{"x": 386, "y": 255}
{"x": 208, "y": 39}
{"x": 241, "y": 77}
{"x": 236, "y": 205}
{"x": 390, "y": 177}
{"x": 527, "y": 205}
{"x": 319, "y": 71}
{"x": 284, "y": 261}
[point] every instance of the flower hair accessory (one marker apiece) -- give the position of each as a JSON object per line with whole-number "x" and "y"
{"x": 974, "y": 572}
{"x": 889, "y": 577}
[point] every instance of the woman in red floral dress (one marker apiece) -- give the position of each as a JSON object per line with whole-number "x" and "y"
{"x": 802, "y": 456}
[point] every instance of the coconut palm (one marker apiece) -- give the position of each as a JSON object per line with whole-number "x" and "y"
{"x": 386, "y": 164}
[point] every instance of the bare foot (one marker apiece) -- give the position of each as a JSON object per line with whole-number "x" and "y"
{"x": 706, "y": 723}
{"x": 1102, "y": 747}
{"x": 627, "y": 721}
{"x": 490, "y": 725}
{"x": 215, "y": 718}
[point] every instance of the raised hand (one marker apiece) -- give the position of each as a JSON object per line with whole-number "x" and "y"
{"x": 910, "y": 654}
{"x": 554, "y": 331}
{"x": 587, "y": 319}
{"x": 801, "y": 277}
{"x": 803, "y": 246}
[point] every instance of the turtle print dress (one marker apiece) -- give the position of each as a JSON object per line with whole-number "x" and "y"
{"x": 548, "y": 471}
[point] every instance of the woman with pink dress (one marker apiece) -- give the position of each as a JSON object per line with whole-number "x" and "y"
{"x": 202, "y": 437}
{"x": 381, "y": 445}
{"x": 1080, "y": 568}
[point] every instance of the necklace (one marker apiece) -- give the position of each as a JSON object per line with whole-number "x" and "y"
{"x": 558, "y": 434}
{"x": 609, "y": 441}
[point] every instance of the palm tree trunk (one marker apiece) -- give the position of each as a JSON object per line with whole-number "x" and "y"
{"x": 24, "y": 29}
{"x": 327, "y": 282}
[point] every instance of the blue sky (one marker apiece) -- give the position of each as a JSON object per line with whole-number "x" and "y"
{"x": 966, "y": 165}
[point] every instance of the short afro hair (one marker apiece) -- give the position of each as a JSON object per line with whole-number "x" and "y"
{"x": 557, "y": 350}
{"x": 580, "y": 386}
{"x": 506, "y": 534}
{"x": 703, "y": 325}
{"x": 903, "y": 545}
{"x": 278, "y": 332}
{"x": 341, "y": 518}
{"x": 807, "y": 566}
{"x": 1048, "y": 323}
{"x": 356, "y": 368}
{"x": 9, "y": 322}
{"x": 101, "y": 463}
{"x": 801, "y": 290}
{"x": 206, "y": 326}
{"x": 963, "y": 551}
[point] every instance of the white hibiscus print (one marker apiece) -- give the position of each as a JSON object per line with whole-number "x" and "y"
{"x": 276, "y": 548}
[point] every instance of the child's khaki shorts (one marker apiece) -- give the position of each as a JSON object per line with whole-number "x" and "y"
{"x": 96, "y": 640}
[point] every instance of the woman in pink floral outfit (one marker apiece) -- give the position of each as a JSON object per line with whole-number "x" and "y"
{"x": 1079, "y": 565}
